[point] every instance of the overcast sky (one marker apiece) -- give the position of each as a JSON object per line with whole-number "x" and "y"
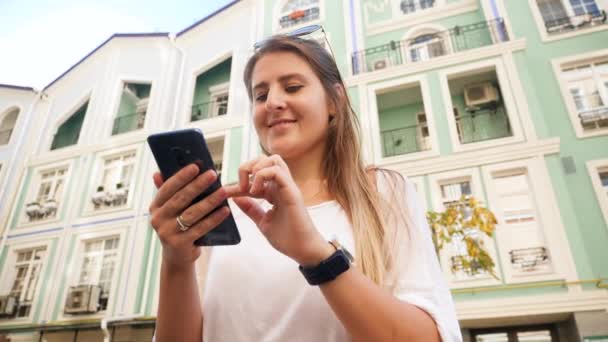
{"x": 40, "y": 39}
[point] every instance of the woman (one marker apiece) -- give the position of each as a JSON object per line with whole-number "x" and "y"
{"x": 309, "y": 188}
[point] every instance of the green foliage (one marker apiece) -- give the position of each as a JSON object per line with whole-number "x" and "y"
{"x": 467, "y": 221}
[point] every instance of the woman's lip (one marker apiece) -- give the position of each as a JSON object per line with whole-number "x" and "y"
{"x": 281, "y": 122}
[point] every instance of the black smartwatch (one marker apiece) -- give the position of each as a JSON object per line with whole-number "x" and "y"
{"x": 330, "y": 268}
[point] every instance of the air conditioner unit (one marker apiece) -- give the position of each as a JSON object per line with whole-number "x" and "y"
{"x": 480, "y": 94}
{"x": 8, "y": 306}
{"x": 82, "y": 299}
{"x": 381, "y": 64}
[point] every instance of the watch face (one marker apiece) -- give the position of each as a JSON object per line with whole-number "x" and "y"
{"x": 339, "y": 246}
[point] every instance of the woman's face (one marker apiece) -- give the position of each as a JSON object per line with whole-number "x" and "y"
{"x": 291, "y": 112}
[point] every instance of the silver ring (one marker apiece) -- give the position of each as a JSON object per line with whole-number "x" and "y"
{"x": 182, "y": 226}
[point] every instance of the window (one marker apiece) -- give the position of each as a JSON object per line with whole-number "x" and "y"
{"x": 115, "y": 183}
{"x": 604, "y": 180}
{"x": 521, "y": 232}
{"x": 69, "y": 131}
{"x": 28, "y": 267}
{"x": 133, "y": 107}
{"x": 587, "y": 84}
{"x": 411, "y": 6}
{"x": 296, "y": 12}
{"x": 220, "y": 105}
{"x": 48, "y": 195}
{"x": 7, "y": 125}
{"x": 211, "y": 92}
{"x": 451, "y": 194}
{"x": 404, "y": 127}
{"x": 543, "y": 333}
{"x": 98, "y": 266}
{"x": 569, "y": 15}
{"x": 216, "y": 148}
{"x": 426, "y": 46}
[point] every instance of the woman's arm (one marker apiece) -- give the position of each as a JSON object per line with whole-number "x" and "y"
{"x": 179, "y": 316}
{"x": 370, "y": 313}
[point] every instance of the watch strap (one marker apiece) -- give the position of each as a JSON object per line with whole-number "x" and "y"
{"x": 328, "y": 270}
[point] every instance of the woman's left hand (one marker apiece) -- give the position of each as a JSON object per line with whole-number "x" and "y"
{"x": 287, "y": 225}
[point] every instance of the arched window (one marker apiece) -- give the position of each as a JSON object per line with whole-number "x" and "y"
{"x": 7, "y": 125}
{"x": 69, "y": 131}
{"x": 426, "y": 46}
{"x": 296, "y": 12}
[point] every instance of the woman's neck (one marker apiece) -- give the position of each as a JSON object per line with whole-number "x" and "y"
{"x": 306, "y": 171}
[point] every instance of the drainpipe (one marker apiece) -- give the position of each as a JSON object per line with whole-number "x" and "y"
{"x": 13, "y": 167}
{"x": 104, "y": 324}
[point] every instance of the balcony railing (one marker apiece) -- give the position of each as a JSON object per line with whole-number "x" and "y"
{"x": 41, "y": 209}
{"x": 128, "y": 122}
{"x": 527, "y": 259}
{"x": 403, "y": 140}
{"x": 454, "y": 40}
{"x": 483, "y": 124}
{"x": 5, "y": 136}
{"x": 205, "y": 110}
{"x": 576, "y": 22}
{"x": 591, "y": 110}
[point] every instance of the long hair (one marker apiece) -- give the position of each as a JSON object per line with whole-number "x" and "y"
{"x": 347, "y": 177}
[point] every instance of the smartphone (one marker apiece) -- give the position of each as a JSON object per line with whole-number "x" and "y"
{"x": 176, "y": 149}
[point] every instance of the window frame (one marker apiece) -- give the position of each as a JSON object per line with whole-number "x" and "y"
{"x": 548, "y": 216}
{"x": 570, "y": 105}
{"x": 474, "y": 177}
{"x": 374, "y": 120}
{"x": 508, "y": 89}
{"x": 122, "y": 82}
{"x": 3, "y": 117}
{"x": 540, "y": 23}
{"x": 98, "y": 173}
{"x": 8, "y": 272}
{"x": 593, "y": 169}
{"x": 75, "y": 265}
{"x": 34, "y": 187}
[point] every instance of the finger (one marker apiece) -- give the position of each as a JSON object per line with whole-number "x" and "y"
{"x": 158, "y": 179}
{"x": 244, "y": 171}
{"x": 173, "y": 184}
{"x": 234, "y": 190}
{"x": 207, "y": 224}
{"x": 250, "y": 208}
{"x": 184, "y": 197}
{"x": 201, "y": 209}
{"x": 273, "y": 173}
{"x": 262, "y": 164}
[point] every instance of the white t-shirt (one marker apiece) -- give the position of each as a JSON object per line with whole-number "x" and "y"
{"x": 254, "y": 293}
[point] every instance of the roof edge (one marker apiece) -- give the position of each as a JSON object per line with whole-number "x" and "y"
{"x": 195, "y": 24}
{"x": 115, "y": 35}
{"x": 16, "y": 87}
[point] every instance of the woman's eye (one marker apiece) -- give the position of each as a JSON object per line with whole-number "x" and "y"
{"x": 293, "y": 88}
{"x": 260, "y": 97}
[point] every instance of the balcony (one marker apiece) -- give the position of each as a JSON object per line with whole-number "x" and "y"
{"x": 427, "y": 46}
{"x": 128, "y": 122}
{"x": 592, "y": 111}
{"x": 41, "y": 210}
{"x": 478, "y": 104}
{"x": 528, "y": 259}
{"x": 103, "y": 199}
{"x": 403, "y": 140}
{"x": 576, "y": 22}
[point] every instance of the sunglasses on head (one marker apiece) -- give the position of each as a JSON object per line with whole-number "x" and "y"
{"x": 301, "y": 32}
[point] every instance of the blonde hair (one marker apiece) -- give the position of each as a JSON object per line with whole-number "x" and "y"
{"x": 380, "y": 223}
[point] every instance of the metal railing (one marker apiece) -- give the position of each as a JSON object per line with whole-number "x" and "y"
{"x": 403, "y": 140}
{"x": 482, "y": 125}
{"x": 5, "y": 136}
{"x": 575, "y": 22}
{"x": 128, "y": 122}
{"x": 457, "y": 39}
{"x": 591, "y": 110}
{"x": 411, "y": 6}
{"x": 205, "y": 110}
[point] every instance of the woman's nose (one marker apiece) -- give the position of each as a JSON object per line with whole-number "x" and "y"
{"x": 275, "y": 101}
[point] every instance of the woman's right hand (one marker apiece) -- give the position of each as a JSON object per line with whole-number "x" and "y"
{"x": 173, "y": 199}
